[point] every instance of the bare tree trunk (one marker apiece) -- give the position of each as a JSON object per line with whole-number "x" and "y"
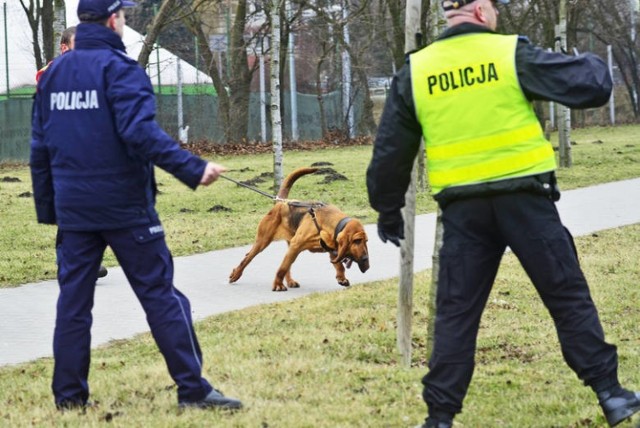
{"x": 33, "y": 12}
{"x": 398, "y": 40}
{"x": 154, "y": 29}
{"x": 239, "y": 77}
{"x": 319, "y": 93}
{"x": 59, "y": 23}
{"x": 276, "y": 118}
{"x": 47, "y": 30}
{"x": 367, "y": 122}
{"x": 633, "y": 13}
{"x": 282, "y": 56}
{"x": 564, "y": 113}
{"x": 622, "y": 57}
{"x": 192, "y": 21}
{"x": 613, "y": 28}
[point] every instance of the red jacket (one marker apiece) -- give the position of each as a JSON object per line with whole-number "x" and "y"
{"x": 42, "y": 70}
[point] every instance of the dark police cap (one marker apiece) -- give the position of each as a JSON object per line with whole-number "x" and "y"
{"x": 457, "y": 4}
{"x": 99, "y": 9}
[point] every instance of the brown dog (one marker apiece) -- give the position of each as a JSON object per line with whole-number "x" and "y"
{"x": 312, "y": 226}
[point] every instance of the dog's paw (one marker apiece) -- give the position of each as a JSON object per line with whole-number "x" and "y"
{"x": 279, "y": 287}
{"x": 293, "y": 284}
{"x": 235, "y": 275}
{"x": 344, "y": 282}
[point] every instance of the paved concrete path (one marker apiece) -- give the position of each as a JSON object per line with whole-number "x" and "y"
{"x": 27, "y": 313}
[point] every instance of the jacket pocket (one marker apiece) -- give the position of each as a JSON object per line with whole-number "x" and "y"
{"x": 149, "y": 233}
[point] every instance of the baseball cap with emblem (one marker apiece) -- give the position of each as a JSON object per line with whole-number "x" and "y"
{"x": 99, "y": 9}
{"x": 457, "y": 4}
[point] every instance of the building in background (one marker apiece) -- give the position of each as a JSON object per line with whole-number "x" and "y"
{"x": 18, "y": 66}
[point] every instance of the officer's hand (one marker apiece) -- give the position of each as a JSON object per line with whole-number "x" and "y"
{"x": 211, "y": 173}
{"x": 391, "y": 227}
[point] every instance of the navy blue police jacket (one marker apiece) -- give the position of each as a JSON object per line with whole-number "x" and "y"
{"x": 95, "y": 140}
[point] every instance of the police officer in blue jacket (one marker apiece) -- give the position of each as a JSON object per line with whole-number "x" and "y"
{"x": 94, "y": 146}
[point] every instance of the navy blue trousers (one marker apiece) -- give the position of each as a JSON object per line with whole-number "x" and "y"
{"x": 476, "y": 234}
{"x": 146, "y": 261}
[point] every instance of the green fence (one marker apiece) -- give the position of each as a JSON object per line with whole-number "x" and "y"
{"x": 200, "y": 113}
{"x": 15, "y": 129}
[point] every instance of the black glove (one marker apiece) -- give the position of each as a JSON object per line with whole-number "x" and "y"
{"x": 391, "y": 227}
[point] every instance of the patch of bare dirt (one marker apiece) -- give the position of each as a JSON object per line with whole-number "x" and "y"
{"x": 330, "y": 174}
{"x": 259, "y": 179}
{"x": 219, "y": 208}
{"x": 333, "y": 139}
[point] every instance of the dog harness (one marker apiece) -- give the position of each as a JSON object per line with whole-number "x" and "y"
{"x": 311, "y": 205}
{"x": 339, "y": 227}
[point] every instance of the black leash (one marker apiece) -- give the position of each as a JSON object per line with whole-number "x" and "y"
{"x": 275, "y": 198}
{"x": 239, "y": 183}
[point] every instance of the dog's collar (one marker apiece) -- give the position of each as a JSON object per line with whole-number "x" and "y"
{"x": 341, "y": 224}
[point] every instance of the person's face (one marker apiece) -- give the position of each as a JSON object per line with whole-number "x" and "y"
{"x": 65, "y": 47}
{"x": 117, "y": 21}
{"x": 489, "y": 10}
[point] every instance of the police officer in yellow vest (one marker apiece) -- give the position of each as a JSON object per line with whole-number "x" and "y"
{"x": 492, "y": 173}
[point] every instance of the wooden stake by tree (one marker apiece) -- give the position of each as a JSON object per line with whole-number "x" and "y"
{"x": 438, "y": 24}
{"x": 405, "y": 289}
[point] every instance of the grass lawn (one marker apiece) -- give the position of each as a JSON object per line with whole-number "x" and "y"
{"x": 330, "y": 360}
{"x": 225, "y": 215}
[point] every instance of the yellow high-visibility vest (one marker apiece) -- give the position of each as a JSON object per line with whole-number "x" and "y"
{"x": 477, "y": 123}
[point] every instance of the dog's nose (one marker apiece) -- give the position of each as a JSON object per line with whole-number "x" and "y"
{"x": 363, "y": 264}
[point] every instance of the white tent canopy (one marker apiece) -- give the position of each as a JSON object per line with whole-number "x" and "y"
{"x": 21, "y": 66}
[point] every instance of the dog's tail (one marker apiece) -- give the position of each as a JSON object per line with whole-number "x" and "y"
{"x": 283, "y": 193}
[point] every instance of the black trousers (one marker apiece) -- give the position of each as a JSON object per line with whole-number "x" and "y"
{"x": 476, "y": 234}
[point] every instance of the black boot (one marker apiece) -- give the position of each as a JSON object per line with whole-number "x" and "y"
{"x": 102, "y": 272}
{"x": 437, "y": 423}
{"x": 618, "y": 404}
{"x": 438, "y": 419}
{"x": 67, "y": 405}
{"x": 215, "y": 399}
